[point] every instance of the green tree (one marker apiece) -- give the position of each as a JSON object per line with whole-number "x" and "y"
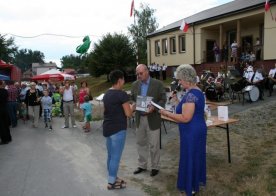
{"x": 7, "y": 49}
{"x": 25, "y": 57}
{"x": 145, "y": 23}
{"x": 113, "y": 52}
{"x": 77, "y": 62}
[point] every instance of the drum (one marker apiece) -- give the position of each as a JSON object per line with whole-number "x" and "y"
{"x": 253, "y": 93}
{"x": 219, "y": 81}
{"x": 210, "y": 80}
{"x": 213, "y": 94}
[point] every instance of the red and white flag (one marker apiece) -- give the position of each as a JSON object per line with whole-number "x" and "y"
{"x": 132, "y": 8}
{"x": 184, "y": 26}
{"x": 267, "y": 5}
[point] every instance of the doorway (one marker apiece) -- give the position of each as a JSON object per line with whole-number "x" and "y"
{"x": 210, "y": 57}
{"x": 247, "y": 44}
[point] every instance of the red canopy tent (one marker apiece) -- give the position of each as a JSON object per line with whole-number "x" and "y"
{"x": 10, "y": 70}
{"x": 53, "y": 74}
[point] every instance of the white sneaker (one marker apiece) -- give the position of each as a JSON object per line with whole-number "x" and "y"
{"x": 75, "y": 126}
{"x": 64, "y": 127}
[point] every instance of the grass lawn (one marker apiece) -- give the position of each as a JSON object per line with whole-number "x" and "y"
{"x": 99, "y": 85}
{"x": 253, "y": 151}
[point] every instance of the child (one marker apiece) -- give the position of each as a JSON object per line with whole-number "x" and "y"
{"x": 46, "y": 103}
{"x": 87, "y": 109}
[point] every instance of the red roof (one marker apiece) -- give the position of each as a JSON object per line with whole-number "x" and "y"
{"x": 3, "y": 64}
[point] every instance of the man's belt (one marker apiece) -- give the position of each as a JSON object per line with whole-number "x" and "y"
{"x": 67, "y": 101}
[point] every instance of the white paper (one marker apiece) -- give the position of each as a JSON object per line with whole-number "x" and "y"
{"x": 223, "y": 113}
{"x": 156, "y": 105}
{"x": 209, "y": 122}
{"x": 100, "y": 97}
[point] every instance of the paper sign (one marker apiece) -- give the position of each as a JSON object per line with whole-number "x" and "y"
{"x": 156, "y": 105}
{"x": 223, "y": 113}
{"x": 143, "y": 103}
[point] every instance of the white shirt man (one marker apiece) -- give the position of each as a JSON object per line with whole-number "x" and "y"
{"x": 68, "y": 104}
{"x": 256, "y": 78}
{"x": 164, "y": 73}
{"x": 272, "y": 72}
{"x": 272, "y": 79}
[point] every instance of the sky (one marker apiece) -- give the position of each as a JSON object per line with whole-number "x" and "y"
{"x": 57, "y": 27}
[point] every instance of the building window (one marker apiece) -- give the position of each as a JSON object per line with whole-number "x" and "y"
{"x": 172, "y": 45}
{"x": 157, "y": 48}
{"x": 182, "y": 44}
{"x": 164, "y": 46}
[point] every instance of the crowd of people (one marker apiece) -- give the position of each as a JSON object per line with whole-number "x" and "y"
{"x": 248, "y": 54}
{"x": 189, "y": 114}
{"x": 40, "y": 100}
{"x": 46, "y": 100}
{"x": 156, "y": 70}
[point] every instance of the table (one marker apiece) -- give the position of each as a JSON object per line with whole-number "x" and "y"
{"x": 215, "y": 123}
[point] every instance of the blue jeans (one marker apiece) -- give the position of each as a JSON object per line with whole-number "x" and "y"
{"x": 12, "y": 111}
{"x": 115, "y": 145}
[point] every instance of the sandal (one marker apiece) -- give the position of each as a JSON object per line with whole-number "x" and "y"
{"x": 120, "y": 180}
{"x": 116, "y": 185}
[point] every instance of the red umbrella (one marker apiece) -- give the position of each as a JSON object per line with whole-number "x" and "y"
{"x": 53, "y": 74}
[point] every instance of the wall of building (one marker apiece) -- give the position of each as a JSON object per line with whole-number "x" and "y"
{"x": 175, "y": 58}
{"x": 269, "y": 36}
{"x": 250, "y": 24}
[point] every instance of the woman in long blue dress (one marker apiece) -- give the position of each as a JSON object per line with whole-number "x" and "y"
{"x": 192, "y": 130}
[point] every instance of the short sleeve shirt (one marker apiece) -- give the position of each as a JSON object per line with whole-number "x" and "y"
{"x": 87, "y": 107}
{"x": 115, "y": 119}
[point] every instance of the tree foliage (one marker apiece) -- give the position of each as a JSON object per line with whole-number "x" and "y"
{"x": 25, "y": 57}
{"x": 112, "y": 52}
{"x": 77, "y": 62}
{"x": 7, "y": 49}
{"x": 145, "y": 24}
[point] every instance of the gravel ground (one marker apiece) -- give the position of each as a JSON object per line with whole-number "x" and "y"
{"x": 253, "y": 153}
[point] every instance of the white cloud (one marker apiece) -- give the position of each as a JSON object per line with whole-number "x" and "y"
{"x": 80, "y": 18}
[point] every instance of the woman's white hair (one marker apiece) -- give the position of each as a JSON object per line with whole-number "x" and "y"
{"x": 186, "y": 72}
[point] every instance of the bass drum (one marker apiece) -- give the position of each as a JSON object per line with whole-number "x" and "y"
{"x": 213, "y": 94}
{"x": 253, "y": 93}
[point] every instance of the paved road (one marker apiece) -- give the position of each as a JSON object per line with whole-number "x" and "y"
{"x": 64, "y": 162}
{"x": 68, "y": 162}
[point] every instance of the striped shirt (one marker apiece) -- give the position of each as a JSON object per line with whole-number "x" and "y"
{"x": 13, "y": 93}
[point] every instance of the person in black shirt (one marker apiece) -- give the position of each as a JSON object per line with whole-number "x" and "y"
{"x": 116, "y": 110}
{"x": 32, "y": 100}
{"x": 5, "y": 122}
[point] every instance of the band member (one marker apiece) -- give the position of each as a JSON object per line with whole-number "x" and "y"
{"x": 220, "y": 77}
{"x": 164, "y": 73}
{"x": 271, "y": 79}
{"x": 248, "y": 68}
{"x": 255, "y": 78}
{"x": 157, "y": 71}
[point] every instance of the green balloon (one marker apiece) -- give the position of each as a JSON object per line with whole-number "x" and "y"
{"x": 81, "y": 49}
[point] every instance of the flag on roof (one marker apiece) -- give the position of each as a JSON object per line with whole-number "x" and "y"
{"x": 267, "y": 5}
{"x": 132, "y": 8}
{"x": 184, "y": 26}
